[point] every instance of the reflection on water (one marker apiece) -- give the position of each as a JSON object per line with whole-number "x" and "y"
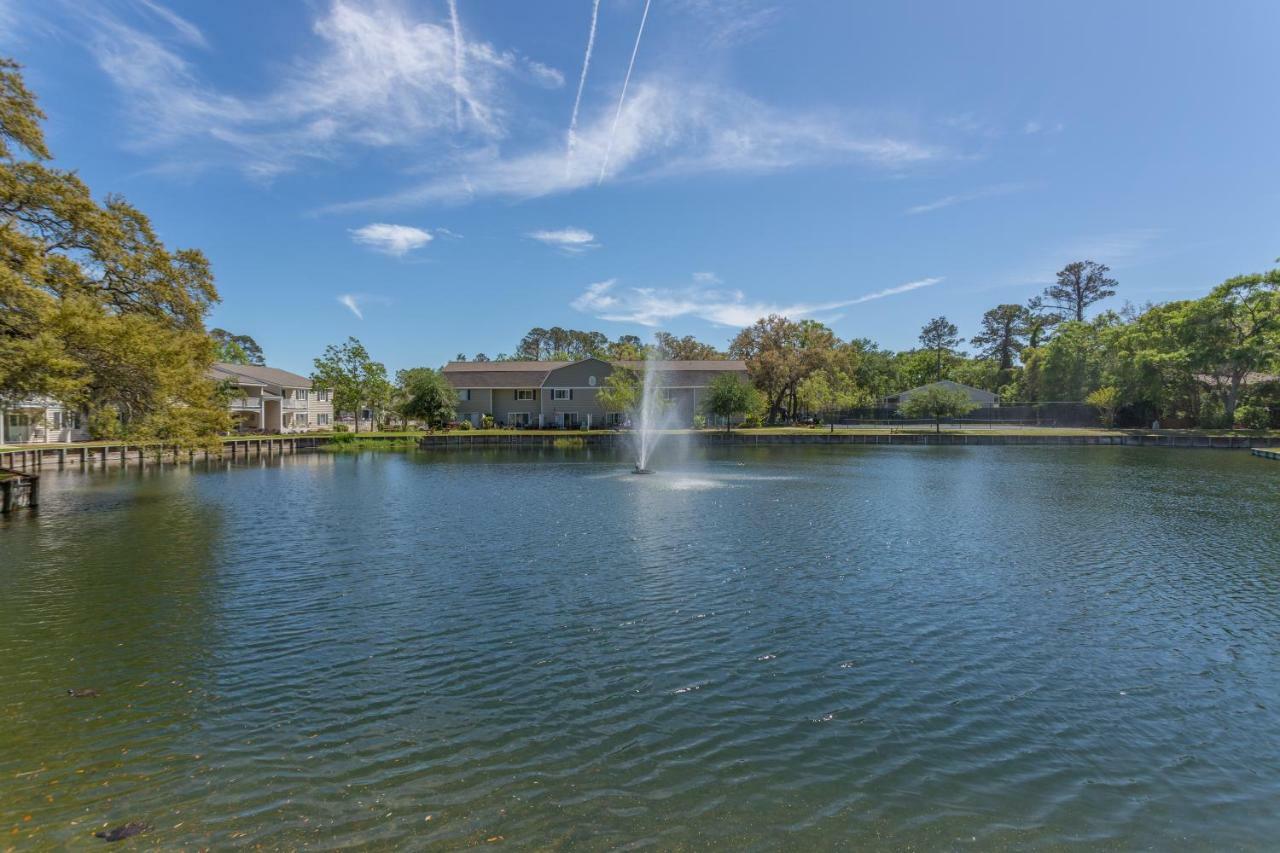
{"x": 879, "y": 647}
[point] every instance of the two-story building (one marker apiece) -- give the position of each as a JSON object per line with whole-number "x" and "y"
{"x": 271, "y": 400}
{"x": 564, "y": 394}
{"x": 41, "y": 420}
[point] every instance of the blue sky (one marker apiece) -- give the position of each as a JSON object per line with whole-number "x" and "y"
{"x": 403, "y": 172}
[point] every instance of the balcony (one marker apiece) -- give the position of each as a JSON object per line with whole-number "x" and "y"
{"x": 245, "y": 404}
{"x": 290, "y": 403}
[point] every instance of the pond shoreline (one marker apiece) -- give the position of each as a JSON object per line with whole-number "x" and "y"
{"x": 97, "y": 456}
{"x": 748, "y": 438}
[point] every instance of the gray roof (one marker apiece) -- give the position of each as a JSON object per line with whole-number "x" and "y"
{"x": 532, "y": 374}
{"x": 947, "y": 383}
{"x": 252, "y": 374}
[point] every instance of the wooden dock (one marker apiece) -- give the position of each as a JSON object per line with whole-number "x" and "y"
{"x": 1266, "y": 454}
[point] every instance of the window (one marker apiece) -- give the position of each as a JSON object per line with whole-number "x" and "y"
{"x": 524, "y": 394}
{"x": 300, "y": 420}
{"x": 70, "y": 420}
{"x": 669, "y": 394}
{"x": 322, "y": 420}
{"x": 518, "y": 418}
{"x": 561, "y": 393}
{"x": 300, "y": 394}
{"x": 322, "y": 396}
{"x": 464, "y": 394}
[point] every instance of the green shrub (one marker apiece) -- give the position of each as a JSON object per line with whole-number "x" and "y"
{"x": 343, "y": 438}
{"x": 340, "y": 427}
{"x": 1253, "y": 417}
{"x": 569, "y": 442}
{"x": 487, "y": 422}
{"x": 1212, "y": 415}
{"x": 464, "y": 425}
{"x": 699, "y": 421}
{"x": 752, "y": 422}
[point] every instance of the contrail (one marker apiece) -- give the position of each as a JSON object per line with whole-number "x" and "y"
{"x": 582, "y": 81}
{"x": 626, "y": 80}
{"x": 457, "y": 64}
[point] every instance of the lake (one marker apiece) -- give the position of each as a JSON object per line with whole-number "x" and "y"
{"x": 773, "y": 648}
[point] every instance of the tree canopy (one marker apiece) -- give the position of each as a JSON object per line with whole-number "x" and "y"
{"x": 1079, "y": 285}
{"x": 355, "y": 380}
{"x": 728, "y": 397}
{"x": 95, "y": 311}
{"x": 237, "y": 349}
{"x": 423, "y": 394}
{"x": 940, "y": 336}
{"x": 937, "y": 402}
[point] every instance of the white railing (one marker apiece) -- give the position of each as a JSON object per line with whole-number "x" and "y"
{"x": 246, "y": 403}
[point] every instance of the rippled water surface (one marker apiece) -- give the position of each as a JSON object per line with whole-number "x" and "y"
{"x": 879, "y": 648}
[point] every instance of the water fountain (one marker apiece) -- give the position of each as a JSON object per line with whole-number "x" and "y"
{"x": 652, "y": 414}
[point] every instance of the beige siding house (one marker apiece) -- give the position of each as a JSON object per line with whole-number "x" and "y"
{"x": 41, "y": 420}
{"x": 564, "y": 394}
{"x": 272, "y": 400}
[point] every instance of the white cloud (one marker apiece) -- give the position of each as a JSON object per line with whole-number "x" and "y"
{"x": 667, "y": 128}
{"x": 706, "y": 278}
{"x": 960, "y": 198}
{"x": 545, "y": 75}
{"x": 376, "y": 77}
{"x": 596, "y": 297}
{"x": 650, "y": 306}
{"x": 184, "y": 29}
{"x": 352, "y": 302}
{"x": 569, "y": 240}
{"x": 396, "y": 240}
{"x": 1033, "y": 127}
{"x": 386, "y": 76}
{"x": 724, "y": 23}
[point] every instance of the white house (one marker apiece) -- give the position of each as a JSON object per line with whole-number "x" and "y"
{"x": 41, "y": 420}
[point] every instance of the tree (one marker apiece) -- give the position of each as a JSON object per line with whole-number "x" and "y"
{"x": 95, "y": 311}
{"x": 1004, "y": 329}
{"x": 688, "y": 348}
{"x": 1233, "y": 332}
{"x": 354, "y": 379}
{"x": 937, "y": 402}
{"x": 941, "y": 337}
{"x": 620, "y": 392}
{"x": 237, "y": 349}
{"x": 1079, "y": 285}
{"x": 780, "y": 354}
{"x": 1040, "y": 321}
{"x": 425, "y": 395}
{"x": 1106, "y": 400}
{"x": 728, "y": 396}
{"x": 1072, "y": 363}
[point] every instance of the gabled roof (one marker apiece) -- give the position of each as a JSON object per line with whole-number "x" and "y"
{"x": 252, "y": 374}
{"x": 533, "y": 374}
{"x": 946, "y": 383}
{"x": 500, "y": 374}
